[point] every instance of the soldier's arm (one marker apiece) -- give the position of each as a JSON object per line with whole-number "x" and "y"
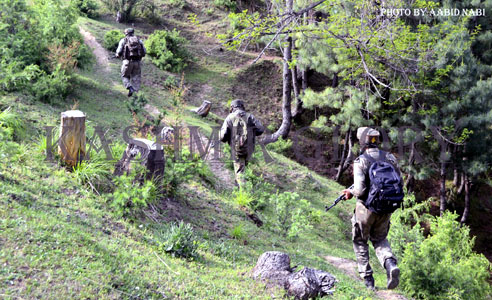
{"x": 225, "y": 132}
{"x": 119, "y": 50}
{"x": 258, "y": 127}
{"x": 143, "y": 47}
{"x": 359, "y": 188}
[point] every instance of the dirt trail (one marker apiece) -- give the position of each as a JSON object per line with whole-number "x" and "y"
{"x": 100, "y": 53}
{"x": 349, "y": 267}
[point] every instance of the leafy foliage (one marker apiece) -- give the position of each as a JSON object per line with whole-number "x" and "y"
{"x": 11, "y": 126}
{"x": 86, "y": 7}
{"x": 130, "y": 196}
{"x": 111, "y": 39}
{"x": 291, "y": 214}
{"x": 166, "y": 50}
{"x": 40, "y": 48}
{"x": 444, "y": 266}
{"x": 180, "y": 241}
{"x": 125, "y": 7}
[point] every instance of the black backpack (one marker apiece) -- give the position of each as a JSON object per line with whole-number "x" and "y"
{"x": 385, "y": 186}
{"x": 133, "y": 48}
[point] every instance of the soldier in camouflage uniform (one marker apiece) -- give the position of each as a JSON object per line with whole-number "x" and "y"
{"x": 131, "y": 68}
{"x": 367, "y": 225}
{"x": 255, "y": 128}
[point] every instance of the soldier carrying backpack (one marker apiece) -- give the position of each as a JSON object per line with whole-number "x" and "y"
{"x": 379, "y": 191}
{"x": 240, "y": 130}
{"x": 132, "y": 49}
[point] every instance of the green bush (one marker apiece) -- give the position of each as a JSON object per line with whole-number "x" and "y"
{"x": 111, "y": 39}
{"x": 180, "y": 241}
{"x": 281, "y": 146}
{"x": 291, "y": 215}
{"x": 95, "y": 174}
{"x": 52, "y": 88}
{"x": 166, "y": 50}
{"x": 258, "y": 190}
{"x": 444, "y": 266}
{"x": 11, "y": 126}
{"x": 130, "y": 196}
{"x": 86, "y": 7}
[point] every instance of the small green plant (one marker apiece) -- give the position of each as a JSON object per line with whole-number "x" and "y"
{"x": 180, "y": 241}
{"x": 291, "y": 215}
{"x": 166, "y": 50}
{"x": 130, "y": 196}
{"x": 257, "y": 190}
{"x": 238, "y": 232}
{"x": 242, "y": 197}
{"x": 94, "y": 174}
{"x": 111, "y": 39}
{"x": 170, "y": 82}
{"x": 11, "y": 126}
{"x": 281, "y": 146}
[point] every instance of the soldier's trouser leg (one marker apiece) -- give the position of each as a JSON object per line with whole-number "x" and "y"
{"x": 136, "y": 75}
{"x": 368, "y": 225}
{"x": 239, "y": 168}
{"x": 126, "y": 69}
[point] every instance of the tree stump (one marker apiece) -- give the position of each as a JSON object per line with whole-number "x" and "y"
{"x": 152, "y": 157}
{"x": 204, "y": 109}
{"x": 274, "y": 267}
{"x": 71, "y": 145}
{"x": 118, "y": 17}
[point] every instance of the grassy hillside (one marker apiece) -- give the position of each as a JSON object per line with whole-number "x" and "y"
{"x": 60, "y": 239}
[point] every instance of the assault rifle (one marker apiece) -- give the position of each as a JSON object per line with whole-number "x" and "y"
{"x": 340, "y": 198}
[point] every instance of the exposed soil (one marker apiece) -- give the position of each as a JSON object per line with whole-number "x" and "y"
{"x": 100, "y": 53}
{"x": 349, "y": 267}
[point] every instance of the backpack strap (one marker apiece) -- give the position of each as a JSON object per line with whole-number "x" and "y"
{"x": 382, "y": 157}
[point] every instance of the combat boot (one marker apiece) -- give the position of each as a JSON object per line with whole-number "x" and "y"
{"x": 392, "y": 273}
{"x": 131, "y": 90}
{"x": 369, "y": 282}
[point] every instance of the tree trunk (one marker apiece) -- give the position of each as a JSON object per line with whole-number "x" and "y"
{"x": 295, "y": 86}
{"x": 443, "y": 189}
{"x": 342, "y": 158}
{"x": 71, "y": 145}
{"x": 462, "y": 185}
{"x": 204, "y": 109}
{"x": 466, "y": 211}
{"x": 409, "y": 181}
{"x": 284, "y": 129}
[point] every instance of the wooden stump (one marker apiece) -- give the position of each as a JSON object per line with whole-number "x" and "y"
{"x": 274, "y": 268}
{"x": 152, "y": 157}
{"x": 204, "y": 109}
{"x": 71, "y": 145}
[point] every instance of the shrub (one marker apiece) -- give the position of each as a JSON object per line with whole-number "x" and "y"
{"x": 11, "y": 126}
{"x": 86, "y": 7}
{"x": 238, "y": 232}
{"x": 95, "y": 174}
{"x": 166, "y": 50}
{"x": 111, "y": 39}
{"x": 281, "y": 146}
{"x": 444, "y": 266}
{"x": 180, "y": 241}
{"x": 258, "y": 190}
{"x": 291, "y": 215}
{"x": 130, "y": 196}
{"x": 126, "y": 7}
{"x": 51, "y": 88}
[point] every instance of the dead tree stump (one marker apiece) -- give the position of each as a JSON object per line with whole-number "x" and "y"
{"x": 274, "y": 267}
{"x": 204, "y": 109}
{"x": 71, "y": 145}
{"x": 152, "y": 157}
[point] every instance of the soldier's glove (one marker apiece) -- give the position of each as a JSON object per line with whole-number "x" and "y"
{"x": 347, "y": 193}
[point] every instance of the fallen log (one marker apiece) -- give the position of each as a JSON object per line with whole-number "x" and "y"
{"x": 274, "y": 268}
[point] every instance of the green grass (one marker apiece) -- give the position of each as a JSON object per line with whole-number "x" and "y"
{"x": 60, "y": 240}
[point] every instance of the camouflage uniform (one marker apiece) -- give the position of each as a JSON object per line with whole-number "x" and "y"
{"x": 130, "y": 69}
{"x": 254, "y": 126}
{"x": 367, "y": 225}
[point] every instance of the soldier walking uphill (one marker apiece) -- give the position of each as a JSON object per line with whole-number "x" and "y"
{"x": 132, "y": 50}
{"x": 239, "y": 130}
{"x": 378, "y": 188}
